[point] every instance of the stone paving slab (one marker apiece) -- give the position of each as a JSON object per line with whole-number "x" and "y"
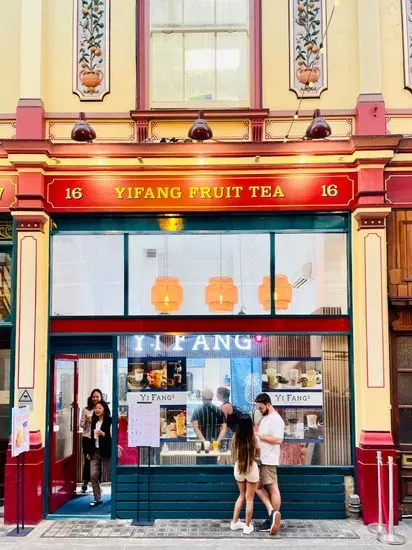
{"x": 194, "y": 529}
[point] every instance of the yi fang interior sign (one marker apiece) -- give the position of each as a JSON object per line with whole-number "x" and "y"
{"x": 197, "y": 193}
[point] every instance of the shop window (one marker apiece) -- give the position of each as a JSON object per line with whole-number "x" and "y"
{"x": 5, "y": 286}
{"x": 404, "y": 383}
{"x": 307, "y": 378}
{"x": 315, "y": 266}
{"x": 197, "y": 274}
{"x": 4, "y": 396}
{"x": 199, "y": 53}
{"x": 87, "y": 275}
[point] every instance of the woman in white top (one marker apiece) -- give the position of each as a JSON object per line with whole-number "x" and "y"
{"x": 245, "y": 450}
{"x": 85, "y": 423}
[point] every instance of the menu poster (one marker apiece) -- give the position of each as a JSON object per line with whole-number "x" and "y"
{"x": 145, "y": 374}
{"x": 173, "y": 423}
{"x": 20, "y": 434}
{"x": 143, "y": 425}
{"x": 291, "y": 374}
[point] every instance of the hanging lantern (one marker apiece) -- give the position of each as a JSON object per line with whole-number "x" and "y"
{"x": 221, "y": 294}
{"x": 283, "y": 293}
{"x": 167, "y": 294}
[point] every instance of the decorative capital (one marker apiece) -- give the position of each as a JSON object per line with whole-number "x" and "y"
{"x": 30, "y": 221}
{"x": 372, "y": 219}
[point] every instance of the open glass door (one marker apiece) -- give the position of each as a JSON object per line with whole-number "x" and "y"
{"x": 63, "y": 431}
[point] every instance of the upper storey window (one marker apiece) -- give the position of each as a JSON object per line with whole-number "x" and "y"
{"x": 200, "y": 53}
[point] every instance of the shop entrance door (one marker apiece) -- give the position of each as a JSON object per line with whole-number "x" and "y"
{"x": 63, "y": 431}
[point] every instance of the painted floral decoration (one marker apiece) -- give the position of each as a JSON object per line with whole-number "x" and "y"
{"x": 308, "y": 37}
{"x": 91, "y": 51}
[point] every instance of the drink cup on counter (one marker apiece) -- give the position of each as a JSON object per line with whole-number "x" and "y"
{"x": 207, "y": 446}
{"x": 215, "y": 446}
{"x": 293, "y": 377}
{"x": 198, "y": 447}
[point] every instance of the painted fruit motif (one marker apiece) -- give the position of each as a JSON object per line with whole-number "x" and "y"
{"x": 91, "y": 79}
{"x": 306, "y": 74}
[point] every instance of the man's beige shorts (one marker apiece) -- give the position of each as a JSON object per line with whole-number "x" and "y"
{"x": 268, "y": 474}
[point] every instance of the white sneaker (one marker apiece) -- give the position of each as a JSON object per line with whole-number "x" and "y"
{"x": 238, "y": 525}
{"x": 247, "y": 529}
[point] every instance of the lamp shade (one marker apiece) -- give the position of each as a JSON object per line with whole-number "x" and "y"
{"x": 167, "y": 294}
{"x": 221, "y": 294}
{"x": 283, "y": 293}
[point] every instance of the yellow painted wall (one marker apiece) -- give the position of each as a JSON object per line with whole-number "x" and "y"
{"x": 9, "y": 55}
{"x": 396, "y": 97}
{"x": 58, "y": 55}
{"x": 343, "y": 72}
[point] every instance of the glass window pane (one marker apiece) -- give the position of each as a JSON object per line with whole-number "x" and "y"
{"x": 404, "y": 352}
{"x": 64, "y": 399}
{"x": 87, "y": 275}
{"x": 200, "y": 66}
{"x": 232, "y": 12}
{"x": 316, "y": 267}
{"x": 232, "y": 66}
{"x": 166, "y": 13}
{"x": 405, "y": 388}
{"x": 5, "y": 286}
{"x": 307, "y": 378}
{"x": 405, "y": 426}
{"x": 194, "y": 259}
{"x": 167, "y": 67}
{"x": 199, "y": 12}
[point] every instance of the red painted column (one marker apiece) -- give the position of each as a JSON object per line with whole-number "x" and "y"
{"x": 33, "y": 483}
{"x": 367, "y": 479}
{"x": 370, "y": 115}
{"x": 30, "y": 122}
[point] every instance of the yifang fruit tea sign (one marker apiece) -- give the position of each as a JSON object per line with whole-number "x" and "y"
{"x": 200, "y": 193}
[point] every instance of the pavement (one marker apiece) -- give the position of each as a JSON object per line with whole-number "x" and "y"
{"x": 69, "y": 534}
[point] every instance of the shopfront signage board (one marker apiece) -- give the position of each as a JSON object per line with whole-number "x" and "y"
{"x": 163, "y": 398}
{"x": 143, "y": 428}
{"x": 296, "y": 398}
{"x": 200, "y": 193}
{"x": 20, "y": 433}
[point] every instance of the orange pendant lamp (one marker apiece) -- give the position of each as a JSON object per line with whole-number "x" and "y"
{"x": 221, "y": 294}
{"x": 167, "y": 294}
{"x": 283, "y": 293}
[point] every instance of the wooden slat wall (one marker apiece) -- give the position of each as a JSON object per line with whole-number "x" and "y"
{"x": 202, "y": 492}
{"x": 399, "y": 232}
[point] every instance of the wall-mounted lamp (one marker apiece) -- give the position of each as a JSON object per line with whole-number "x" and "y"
{"x": 82, "y": 131}
{"x": 318, "y": 128}
{"x": 200, "y": 129}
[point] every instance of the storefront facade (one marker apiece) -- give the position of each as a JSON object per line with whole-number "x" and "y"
{"x": 255, "y": 261}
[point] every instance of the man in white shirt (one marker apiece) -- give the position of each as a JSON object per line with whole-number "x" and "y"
{"x": 271, "y": 432}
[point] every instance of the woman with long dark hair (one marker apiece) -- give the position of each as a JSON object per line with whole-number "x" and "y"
{"x": 245, "y": 451}
{"x": 100, "y": 447}
{"x": 85, "y": 423}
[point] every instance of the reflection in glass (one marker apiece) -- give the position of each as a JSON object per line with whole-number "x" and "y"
{"x": 64, "y": 398}
{"x": 316, "y": 266}
{"x": 5, "y": 286}
{"x": 87, "y": 275}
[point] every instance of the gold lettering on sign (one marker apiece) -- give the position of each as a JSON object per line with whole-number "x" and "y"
{"x": 330, "y": 190}
{"x": 266, "y": 191}
{"x": 1, "y": 192}
{"x": 147, "y": 193}
{"x": 218, "y": 192}
{"x": 75, "y": 193}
